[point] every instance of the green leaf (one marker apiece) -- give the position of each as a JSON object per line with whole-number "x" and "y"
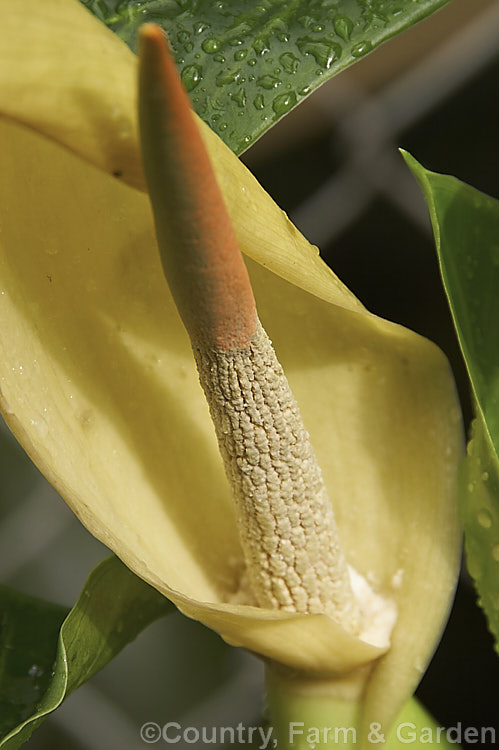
{"x": 29, "y": 629}
{"x": 466, "y": 227}
{"x": 113, "y": 608}
{"x": 246, "y": 65}
{"x": 416, "y": 727}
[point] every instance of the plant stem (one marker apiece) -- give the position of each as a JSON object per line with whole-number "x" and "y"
{"x": 309, "y": 712}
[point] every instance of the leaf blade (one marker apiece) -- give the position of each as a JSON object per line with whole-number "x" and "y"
{"x": 466, "y": 229}
{"x": 245, "y": 68}
{"x": 112, "y": 609}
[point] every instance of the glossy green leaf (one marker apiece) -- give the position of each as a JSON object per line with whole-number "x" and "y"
{"x": 466, "y": 227}
{"x": 113, "y": 608}
{"x": 246, "y": 65}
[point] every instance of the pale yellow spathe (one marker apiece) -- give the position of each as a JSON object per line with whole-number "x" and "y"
{"x": 97, "y": 379}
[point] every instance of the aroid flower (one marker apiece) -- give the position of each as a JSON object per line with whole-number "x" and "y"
{"x": 98, "y": 380}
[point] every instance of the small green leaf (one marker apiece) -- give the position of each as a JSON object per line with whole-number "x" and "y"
{"x": 466, "y": 228}
{"x": 113, "y": 608}
{"x": 29, "y": 629}
{"x": 246, "y": 65}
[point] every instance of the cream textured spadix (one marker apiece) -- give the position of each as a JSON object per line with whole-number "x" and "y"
{"x": 97, "y": 382}
{"x": 286, "y": 522}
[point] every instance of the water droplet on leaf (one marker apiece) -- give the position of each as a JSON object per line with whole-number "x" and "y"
{"x": 199, "y": 27}
{"x": 268, "y": 82}
{"x": 210, "y": 45}
{"x": 323, "y": 51}
{"x": 36, "y": 671}
{"x": 361, "y": 48}
{"x": 191, "y": 76}
{"x": 485, "y": 519}
{"x": 228, "y": 76}
{"x": 289, "y": 62}
{"x": 239, "y": 98}
{"x": 260, "y": 46}
{"x": 343, "y": 27}
{"x": 284, "y": 102}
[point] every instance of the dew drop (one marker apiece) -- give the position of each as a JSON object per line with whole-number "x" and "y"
{"x": 485, "y": 519}
{"x": 397, "y": 578}
{"x": 252, "y": 62}
{"x": 228, "y": 76}
{"x": 199, "y": 27}
{"x": 240, "y": 54}
{"x": 268, "y": 82}
{"x": 284, "y": 102}
{"x": 36, "y": 670}
{"x": 289, "y": 62}
{"x": 235, "y": 42}
{"x": 361, "y": 48}
{"x": 191, "y": 76}
{"x": 40, "y": 426}
{"x": 219, "y": 58}
{"x": 343, "y": 27}
{"x": 86, "y": 417}
{"x": 323, "y": 51}
{"x": 485, "y": 476}
{"x": 306, "y": 21}
{"x": 260, "y": 47}
{"x": 259, "y": 101}
{"x": 239, "y": 98}
{"x": 210, "y": 45}
{"x": 222, "y": 126}
{"x": 495, "y": 552}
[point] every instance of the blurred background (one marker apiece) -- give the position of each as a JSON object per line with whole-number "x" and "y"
{"x": 333, "y": 165}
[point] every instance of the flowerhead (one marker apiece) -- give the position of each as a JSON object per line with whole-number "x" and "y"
{"x": 97, "y": 379}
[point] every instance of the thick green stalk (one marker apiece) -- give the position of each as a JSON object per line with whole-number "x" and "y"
{"x": 308, "y": 712}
